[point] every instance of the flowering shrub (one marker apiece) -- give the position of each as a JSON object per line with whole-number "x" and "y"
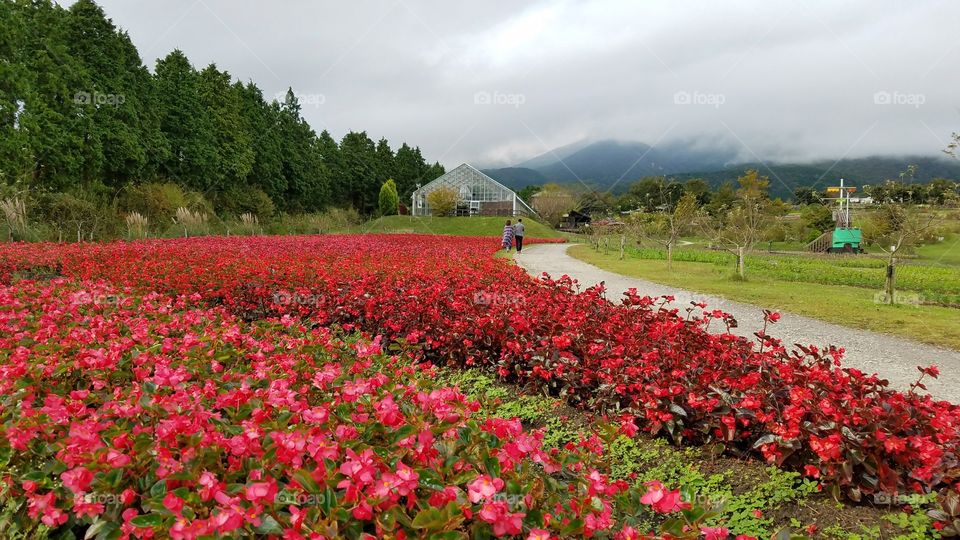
{"x": 655, "y": 367}
{"x": 145, "y": 416}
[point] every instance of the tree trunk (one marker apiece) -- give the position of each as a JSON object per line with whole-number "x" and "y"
{"x": 741, "y": 264}
{"x": 623, "y": 241}
{"x": 670, "y": 256}
{"x": 890, "y": 285}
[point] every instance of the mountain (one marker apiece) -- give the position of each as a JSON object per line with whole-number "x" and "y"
{"x": 614, "y": 165}
{"x": 516, "y": 177}
{"x": 552, "y": 156}
{"x": 786, "y": 177}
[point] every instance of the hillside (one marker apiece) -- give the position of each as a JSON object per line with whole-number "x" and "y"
{"x": 614, "y": 165}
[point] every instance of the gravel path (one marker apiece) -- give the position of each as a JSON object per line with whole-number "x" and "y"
{"x": 893, "y": 358}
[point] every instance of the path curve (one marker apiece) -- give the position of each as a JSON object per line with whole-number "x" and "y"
{"x": 893, "y": 358}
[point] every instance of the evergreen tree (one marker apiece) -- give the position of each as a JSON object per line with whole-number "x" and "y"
{"x": 57, "y": 129}
{"x": 186, "y": 125}
{"x": 230, "y": 129}
{"x": 357, "y": 156}
{"x": 384, "y": 161}
{"x": 14, "y": 87}
{"x": 388, "y": 200}
{"x": 330, "y": 157}
{"x": 81, "y": 114}
{"x": 308, "y": 183}
{"x": 114, "y": 73}
{"x": 263, "y": 121}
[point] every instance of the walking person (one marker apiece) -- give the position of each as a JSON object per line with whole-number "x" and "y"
{"x": 518, "y": 234}
{"x": 507, "y": 240}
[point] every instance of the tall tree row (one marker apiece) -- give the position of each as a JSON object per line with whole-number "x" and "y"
{"x": 80, "y": 113}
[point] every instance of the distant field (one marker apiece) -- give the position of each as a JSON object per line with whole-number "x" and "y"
{"x": 946, "y": 252}
{"x": 841, "y": 291}
{"x": 454, "y": 226}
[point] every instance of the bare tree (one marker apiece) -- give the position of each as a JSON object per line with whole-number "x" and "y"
{"x": 664, "y": 228}
{"x": 739, "y": 228}
{"x": 902, "y": 227}
{"x": 954, "y": 147}
{"x": 553, "y": 202}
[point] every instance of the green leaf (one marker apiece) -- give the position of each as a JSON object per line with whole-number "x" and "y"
{"x": 268, "y": 525}
{"x": 305, "y": 480}
{"x": 159, "y": 489}
{"x": 147, "y": 520}
{"x": 430, "y": 518}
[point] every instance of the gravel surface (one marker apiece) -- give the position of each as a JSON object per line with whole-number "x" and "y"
{"x": 893, "y": 358}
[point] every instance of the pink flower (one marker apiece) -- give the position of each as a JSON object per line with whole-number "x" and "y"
{"x": 661, "y": 500}
{"x": 77, "y": 480}
{"x": 483, "y": 488}
{"x": 715, "y": 533}
{"x": 538, "y": 534}
{"x": 504, "y": 522}
{"x": 173, "y": 503}
{"x": 261, "y": 492}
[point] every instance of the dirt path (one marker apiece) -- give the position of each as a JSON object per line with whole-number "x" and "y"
{"x": 895, "y": 359}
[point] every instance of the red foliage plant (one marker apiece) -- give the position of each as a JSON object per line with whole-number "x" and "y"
{"x": 665, "y": 370}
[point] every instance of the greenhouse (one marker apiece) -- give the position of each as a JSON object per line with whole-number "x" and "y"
{"x": 477, "y": 195}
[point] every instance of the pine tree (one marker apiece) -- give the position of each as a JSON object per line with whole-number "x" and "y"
{"x": 230, "y": 129}
{"x": 308, "y": 183}
{"x": 115, "y": 154}
{"x": 185, "y": 123}
{"x": 357, "y": 156}
{"x": 14, "y": 87}
{"x": 57, "y": 128}
{"x": 263, "y": 120}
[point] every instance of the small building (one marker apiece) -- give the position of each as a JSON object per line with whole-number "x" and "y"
{"x": 478, "y": 195}
{"x": 574, "y": 220}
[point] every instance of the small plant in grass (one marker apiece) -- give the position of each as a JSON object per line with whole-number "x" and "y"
{"x": 136, "y": 225}
{"x": 14, "y": 211}
{"x": 249, "y": 223}
{"x": 192, "y": 222}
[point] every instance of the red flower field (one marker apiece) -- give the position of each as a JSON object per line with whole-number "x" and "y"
{"x": 218, "y": 385}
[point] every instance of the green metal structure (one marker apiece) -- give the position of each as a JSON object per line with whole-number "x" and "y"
{"x": 845, "y": 238}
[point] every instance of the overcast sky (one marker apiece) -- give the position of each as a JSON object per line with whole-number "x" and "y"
{"x": 494, "y": 82}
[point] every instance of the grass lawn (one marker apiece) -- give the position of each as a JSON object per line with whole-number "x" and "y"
{"x": 946, "y": 252}
{"x": 455, "y": 226}
{"x": 844, "y": 305}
